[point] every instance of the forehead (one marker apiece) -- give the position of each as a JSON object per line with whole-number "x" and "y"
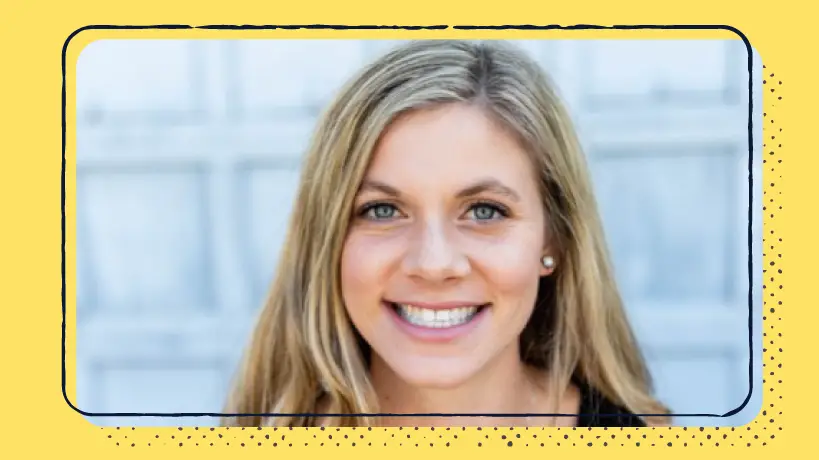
{"x": 450, "y": 143}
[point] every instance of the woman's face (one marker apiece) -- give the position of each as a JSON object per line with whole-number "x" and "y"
{"x": 441, "y": 264}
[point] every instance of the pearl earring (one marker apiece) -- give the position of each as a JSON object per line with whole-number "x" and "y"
{"x": 548, "y": 262}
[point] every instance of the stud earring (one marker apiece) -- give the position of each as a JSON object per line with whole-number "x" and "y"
{"x": 548, "y": 262}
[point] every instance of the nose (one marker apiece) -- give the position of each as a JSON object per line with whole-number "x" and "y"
{"x": 433, "y": 255}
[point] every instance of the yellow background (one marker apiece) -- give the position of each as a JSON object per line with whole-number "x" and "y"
{"x": 37, "y": 419}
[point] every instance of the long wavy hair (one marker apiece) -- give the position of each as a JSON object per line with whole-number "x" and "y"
{"x": 305, "y": 356}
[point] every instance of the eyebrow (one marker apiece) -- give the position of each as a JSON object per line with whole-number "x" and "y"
{"x": 489, "y": 185}
{"x": 380, "y": 187}
{"x": 485, "y": 185}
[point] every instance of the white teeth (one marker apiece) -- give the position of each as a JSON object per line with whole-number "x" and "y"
{"x": 437, "y": 318}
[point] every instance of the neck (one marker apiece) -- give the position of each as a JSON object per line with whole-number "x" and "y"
{"x": 505, "y": 386}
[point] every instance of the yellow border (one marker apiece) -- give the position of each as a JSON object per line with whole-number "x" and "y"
{"x": 37, "y": 417}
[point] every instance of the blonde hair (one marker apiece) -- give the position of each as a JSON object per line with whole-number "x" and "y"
{"x": 305, "y": 357}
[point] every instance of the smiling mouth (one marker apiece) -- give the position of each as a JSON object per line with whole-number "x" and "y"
{"x": 437, "y": 318}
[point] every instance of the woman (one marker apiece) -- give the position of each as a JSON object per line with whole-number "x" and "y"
{"x": 445, "y": 256}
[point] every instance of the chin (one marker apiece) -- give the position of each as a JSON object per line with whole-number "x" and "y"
{"x": 442, "y": 377}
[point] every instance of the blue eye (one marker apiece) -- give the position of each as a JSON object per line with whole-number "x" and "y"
{"x": 486, "y": 211}
{"x": 378, "y": 211}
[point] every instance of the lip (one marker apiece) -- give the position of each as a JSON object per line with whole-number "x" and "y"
{"x": 439, "y": 305}
{"x": 436, "y": 335}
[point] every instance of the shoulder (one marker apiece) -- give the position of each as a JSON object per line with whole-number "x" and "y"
{"x": 598, "y": 411}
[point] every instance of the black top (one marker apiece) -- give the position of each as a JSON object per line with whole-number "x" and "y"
{"x": 598, "y": 411}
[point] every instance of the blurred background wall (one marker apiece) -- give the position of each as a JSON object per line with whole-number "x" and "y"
{"x": 187, "y": 161}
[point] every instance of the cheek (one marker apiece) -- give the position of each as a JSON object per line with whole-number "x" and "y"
{"x": 513, "y": 255}
{"x": 514, "y": 276}
{"x": 365, "y": 267}
{"x": 512, "y": 266}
